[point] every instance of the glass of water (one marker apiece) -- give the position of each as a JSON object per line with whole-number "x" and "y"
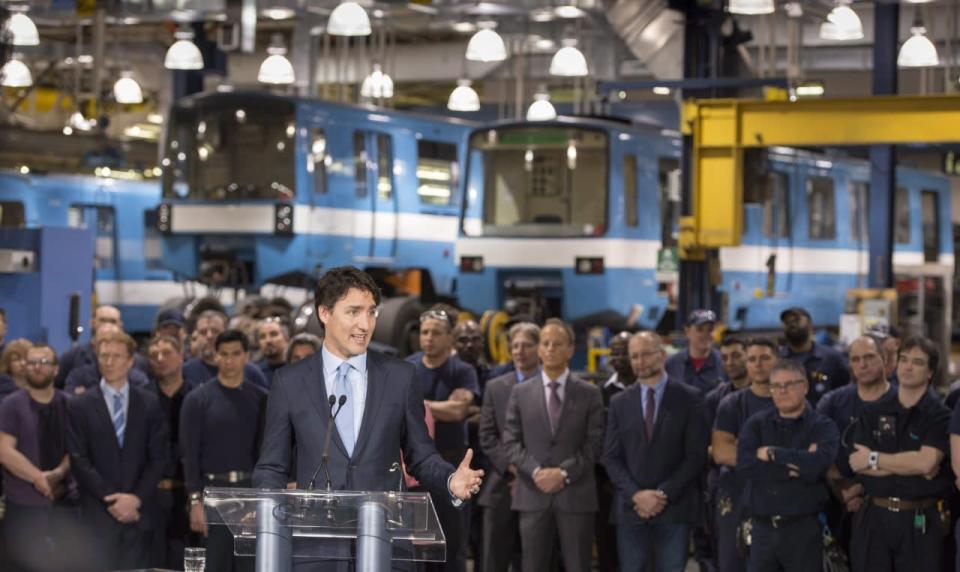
{"x": 194, "y": 559}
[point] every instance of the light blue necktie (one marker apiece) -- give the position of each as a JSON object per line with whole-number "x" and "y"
{"x": 119, "y": 421}
{"x": 345, "y": 417}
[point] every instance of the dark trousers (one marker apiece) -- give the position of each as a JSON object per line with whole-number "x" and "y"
{"x": 539, "y": 532}
{"x": 793, "y": 547}
{"x": 729, "y": 558}
{"x": 501, "y": 529}
{"x": 606, "y": 534}
{"x": 168, "y": 547}
{"x": 40, "y": 537}
{"x": 887, "y": 541}
{"x": 658, "y": 547}
{"x": 453, "y": 520}
{"x": 219, "y": 543}
{"x": 120, "y": 546}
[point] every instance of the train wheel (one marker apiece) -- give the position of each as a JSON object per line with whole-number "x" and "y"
{"x": 494, "y": 325}
{"x": 399, "y": 324}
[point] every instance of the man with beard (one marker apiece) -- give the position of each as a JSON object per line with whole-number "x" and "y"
{"x": 825, "y": 366}
{"x": 732, "y": 414}
{"x": 784, "y": 454}
{"x": 209, "y": 325}
{"x": 698, "y": 365}
{"x": 273, "y": 337}
{"x": 500, "y": 522}
{"x": 166, "y": 374}
{"x": 655, "y": 449}
{"x": 844, "y": 406}
{"x": 622, "y": 378}
{"x": 900, "y": 444}
{"x": 36, "y": 467}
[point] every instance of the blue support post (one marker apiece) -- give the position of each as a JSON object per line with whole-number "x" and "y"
{"x": 883, "y": 157}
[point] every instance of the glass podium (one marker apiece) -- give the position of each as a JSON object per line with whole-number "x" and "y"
{"x": 282, "y": 526}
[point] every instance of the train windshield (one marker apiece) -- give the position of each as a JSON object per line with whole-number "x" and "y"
{"x": 540, "y": 181}
{"x": 230, "y": 148}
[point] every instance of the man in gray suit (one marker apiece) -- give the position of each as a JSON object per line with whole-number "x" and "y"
{"x": 383, "y": 413}
{"x": 500, "y": 523}
{"x": 554, "y": 432}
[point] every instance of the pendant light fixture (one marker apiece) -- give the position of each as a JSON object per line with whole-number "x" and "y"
{"x": 349, "y": 19}
{"x": 126, "y": 90}
{"x": 276, "y": 69}
{"x": 918, "y": 51}
{"x": 22, "y": 30}
{"x": 486, "y": 45}
{"x": 843, "y": 24}
{"x": 463, "y": 97}
{"x": 568, "y": 61}
{"x": 751, "y": 7}
{"x": 541, "y": 109}
{"x": 183, "y": 54}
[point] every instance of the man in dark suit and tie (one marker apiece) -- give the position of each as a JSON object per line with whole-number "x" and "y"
{"x": 656, "y": 448}
{"x": 117, "y": 438}
{"x": 500, "y": 523}
{"x": 554, "y": 432}
{"x": 383, "y": 414}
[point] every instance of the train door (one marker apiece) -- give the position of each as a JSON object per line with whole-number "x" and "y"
{"x": 375, "y": 222}
{"x": 102, "y": 219}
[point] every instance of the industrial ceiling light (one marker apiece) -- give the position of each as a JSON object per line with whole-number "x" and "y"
{"x": 22, "y": 29}
{"x": 569, "y": 11}
{"x": 377, "y": 85}
{"x": 568, "y": 61}
{"x": 486, "y": 45}
{"x": 15, "y": 73}
{"x": 349, "y": 19}
{"x": 126, "y": 90}
{"x": 464, "y": 27}
{"x": 183, "y": 54}
{"x": 542, "y": 15}
{"x": 276, "y": 69}
{"x": 918, "y": 51}
{"x": 463, "y": 97}
{"x": 843, "y": 24}
{"x": 541, "y": 109}
{"x": 751, "y": 7}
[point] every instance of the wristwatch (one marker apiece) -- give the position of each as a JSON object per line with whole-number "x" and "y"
{"x": 196, "y": 499}
{"x": 872, "y": 460}
{"x": 566, "y": 477}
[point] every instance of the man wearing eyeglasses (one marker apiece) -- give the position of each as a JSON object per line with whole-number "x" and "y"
{"x": 383, "y": 412}
{"x": 117, "y": 438}
{"x": 784, "y": 454}
{"x": 36, "y": 468}
{"x": 900, "y": 445}
{"x": 732, "y": 414}
{"x": 655, "y": 450}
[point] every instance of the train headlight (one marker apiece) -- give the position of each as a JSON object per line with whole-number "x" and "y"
{"x": 471, "y": 264}
{"x": 165, "y": 218}
{"x": 589, "y": 265}
{"x": 283, "y": 219}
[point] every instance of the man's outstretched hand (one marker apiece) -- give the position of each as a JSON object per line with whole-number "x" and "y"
{"x": 465, "y": 482}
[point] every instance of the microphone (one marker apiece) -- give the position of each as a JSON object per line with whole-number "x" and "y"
{"x": 332, "y": 400}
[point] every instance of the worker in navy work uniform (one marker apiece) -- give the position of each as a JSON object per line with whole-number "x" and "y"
{"x": 655, "y": 451}
{"x": 698, "y": 365}
{"x": 220, "y": 432}
{"x": 900, "y": 443}
{"x": 209, "y": 325}
{"x": 844, "y": 406}
{"x": 955, "y": 464}
{"x": 825, "y": 366}
{"x": 784, "y": 454}
{"x": 732, "y": 414}
{"x": 273, "y": 337}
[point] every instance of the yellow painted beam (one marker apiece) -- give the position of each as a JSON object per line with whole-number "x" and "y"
{"x": 721, "y": 129}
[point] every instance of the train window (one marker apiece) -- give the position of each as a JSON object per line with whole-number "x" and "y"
{"x": 669, "y": 201}
{"x": 901, "y": 205}
{"x": 233, "y": 147}
{"x": 103, "y": 220}
{"x": 11, "y": 215}
{"x": 821, "y": 209}
{"x": 318, "y": 159}
{"x": 360, "y": 164}
{"x": 152, "y": 241}
{"x": 859, "y": 197}
{"x": 930, "y": 224}
{"x": 776, "y": 205}
{"x": 384, "y": 167}
{"x": 542, "y": 180}
{"x": 437, "y": 172}
{"x": 630, "y": 190}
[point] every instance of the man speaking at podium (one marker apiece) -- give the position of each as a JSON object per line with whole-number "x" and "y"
{"x": 382, "y": 415}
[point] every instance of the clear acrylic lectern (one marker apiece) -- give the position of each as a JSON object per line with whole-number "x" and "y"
{"x": 374, "y": 528}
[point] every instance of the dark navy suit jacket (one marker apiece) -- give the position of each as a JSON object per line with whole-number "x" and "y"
{"x": 671, "y": 461}
{"x": 393, "y": 420}
{"x": 101, "y": 467}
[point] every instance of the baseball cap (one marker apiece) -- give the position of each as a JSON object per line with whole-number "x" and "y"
{"x": 170, "y": 316}
{"x": 795, "y": 310}
{"x": 701, "y": 316}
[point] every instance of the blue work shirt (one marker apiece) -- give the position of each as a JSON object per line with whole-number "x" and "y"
{"x": 197, "y": 372}
{"x": 826, "y": 369}
{"x": 772, "y": 491}
{"x": 843, "y": 406}
{"x": 680, "y": 367}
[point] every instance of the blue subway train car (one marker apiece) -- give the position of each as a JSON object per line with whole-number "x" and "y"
{"x": 570, "y": 217}
{"x": 261, "y": 188}
{"x": 127, "y": 269}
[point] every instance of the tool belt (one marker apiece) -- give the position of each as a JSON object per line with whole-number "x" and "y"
{"x": 895, "y": 504}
